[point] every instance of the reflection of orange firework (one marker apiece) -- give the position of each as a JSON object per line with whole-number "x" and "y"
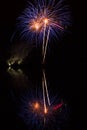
{"x": 36, "y": 106}
{"x": 45, "y": 111}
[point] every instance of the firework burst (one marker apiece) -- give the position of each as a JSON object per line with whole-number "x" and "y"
{"x": 38, "y": 110}
{"x": 31, "y": 111}
{"x": 43, "y": 20}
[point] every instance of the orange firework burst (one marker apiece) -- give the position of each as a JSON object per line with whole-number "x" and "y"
{"x": 39, "y": 24}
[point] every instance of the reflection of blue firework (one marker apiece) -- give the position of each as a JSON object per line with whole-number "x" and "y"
{"x": 31, "y": 111}
{"x": 43, "y": 17}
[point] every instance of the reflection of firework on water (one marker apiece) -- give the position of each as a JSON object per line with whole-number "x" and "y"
{"x": 43, "y": 20}
{"x": 45, "y": 92}
{"x": 18, "y": 77}
{"x": 31, "y": 111}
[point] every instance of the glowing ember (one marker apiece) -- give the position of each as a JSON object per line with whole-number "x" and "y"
{"x": 45, "y": 111}
{"x": 36, "y": 105}
{"x": 46, "y": 21}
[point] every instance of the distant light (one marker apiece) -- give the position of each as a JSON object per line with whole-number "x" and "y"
{"x": 9, "y": 64}
{"x": 9, "y": 68}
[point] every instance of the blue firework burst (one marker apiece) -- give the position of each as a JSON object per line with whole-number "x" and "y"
{"x": 43, "y": 15}
{"x": 31, "y": 112}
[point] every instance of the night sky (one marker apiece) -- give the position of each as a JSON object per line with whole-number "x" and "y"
{"x": 10, "y": 10}
{"x": 68, "y": 58}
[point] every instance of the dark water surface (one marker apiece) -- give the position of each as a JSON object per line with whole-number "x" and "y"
{"x": 21, "y": 81}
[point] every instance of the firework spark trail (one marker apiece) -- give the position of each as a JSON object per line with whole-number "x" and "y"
{"x": 45, "y": 93}
{"x": 43, "y": 45}
{"x": 46, "y": 44}
{"x": 44, "y": 99}
{"x": 45, "y": 50}
{"x": 45, "y": 82}
{"x": 60, "y": 27}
